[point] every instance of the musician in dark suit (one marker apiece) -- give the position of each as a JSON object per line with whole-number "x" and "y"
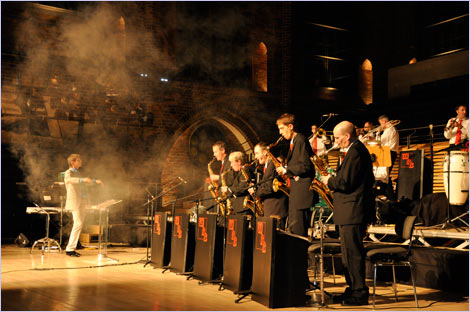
{"x": 300, "y": 172}
{"x": 216, "y": 167}
{"x": 237, "y": 181}
{"x": 220, "y": 154}
{"x": 354, "y": 208}
{"x": 274, "y": 203}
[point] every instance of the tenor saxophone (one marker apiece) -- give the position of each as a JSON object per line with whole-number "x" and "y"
{"x": 278, "y": 184}
{"x": 213, "y": 188}
{"x": 322, "y": 189}
{"x": 228, "y": 204}
{"x": 256, "y": 202}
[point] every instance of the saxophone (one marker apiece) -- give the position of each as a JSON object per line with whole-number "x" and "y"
{"x": 214, "y": 186}
{"x": 278, "y": 185}
{"x": 322, "y": 189}
{"x": 227, "y": 207}
{"x": 251, "y": 204}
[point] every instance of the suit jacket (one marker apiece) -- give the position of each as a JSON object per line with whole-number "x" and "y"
{"x": 299, "y": 165}
{"x": 274, "y": 203}
{"x": 353, "y": 198}
{"x": 75, "y": 189}
{"x": 238, "y": 186}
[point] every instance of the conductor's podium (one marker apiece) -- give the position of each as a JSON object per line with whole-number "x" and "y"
{"x": 279, "y": 266}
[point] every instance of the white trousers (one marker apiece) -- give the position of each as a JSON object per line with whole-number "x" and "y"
{"x": 78, "y": 221}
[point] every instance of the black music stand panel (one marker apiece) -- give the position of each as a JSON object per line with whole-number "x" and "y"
{"x": 279, "y": 266}
{"x": 414, "y": 175}
{"x": 182, "y": 244}
{"x": 238, "y": 265}
{"x": 209, "y": 248}
{"x": 161, "y": 240}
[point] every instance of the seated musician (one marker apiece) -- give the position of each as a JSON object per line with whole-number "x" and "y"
{"x": 456, "y": 130}
{"x": 274, "y": 203}
{"x": 237, "y": 181}
{"x": 364, "y": 136}
{"x": 76, "y": 200}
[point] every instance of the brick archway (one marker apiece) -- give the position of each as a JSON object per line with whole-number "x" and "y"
{"x": 238, "y": 136}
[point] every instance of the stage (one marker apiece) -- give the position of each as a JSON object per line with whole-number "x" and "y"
{"x": 58, "y": 282}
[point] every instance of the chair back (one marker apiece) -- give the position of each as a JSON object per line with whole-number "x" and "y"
{"x": 407, "y": 233}
{"x": 408, "y": 227}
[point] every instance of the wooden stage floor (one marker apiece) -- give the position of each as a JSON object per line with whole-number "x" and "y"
{"x": 58, "y": 282}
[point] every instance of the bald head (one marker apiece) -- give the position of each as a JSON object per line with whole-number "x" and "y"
{"x": 344, "y": 133}
{"x": 345, "y": 127}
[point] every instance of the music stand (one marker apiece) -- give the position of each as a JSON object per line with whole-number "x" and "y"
{"x": 45, "y": 240}
{"x": 103, "y": 231}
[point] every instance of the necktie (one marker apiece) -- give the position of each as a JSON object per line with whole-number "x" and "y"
{"x": 221, "y": 167}
{"x": 264, "y": 169}
{"x": 315, "y": 145}
{"x": 291, "y": 147}
{"x": 459, "y": 133}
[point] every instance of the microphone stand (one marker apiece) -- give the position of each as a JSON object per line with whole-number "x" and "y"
{"x": 152, "y": 213}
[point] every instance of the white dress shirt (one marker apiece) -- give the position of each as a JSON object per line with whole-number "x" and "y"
{"x": 451, "y": 134}
{"x": 390, "y": 138}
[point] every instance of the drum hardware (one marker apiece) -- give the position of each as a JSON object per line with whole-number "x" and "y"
{"x": 455, "y": 167}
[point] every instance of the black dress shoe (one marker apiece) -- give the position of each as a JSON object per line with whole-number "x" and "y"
{"x": 342, "y": 297}
{"x": 356, "y": 301}
{"x": 72, "y": 253}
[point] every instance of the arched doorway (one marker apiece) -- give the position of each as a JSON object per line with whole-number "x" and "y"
{"x": 190, "y": 154}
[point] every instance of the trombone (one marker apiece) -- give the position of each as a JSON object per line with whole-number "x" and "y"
{"x": 391, "y": 123}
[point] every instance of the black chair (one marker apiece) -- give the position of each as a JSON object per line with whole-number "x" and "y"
{"x": 395, "y": 256}
{"x": 331, "y": 246}
{"x": 331, "y": 249}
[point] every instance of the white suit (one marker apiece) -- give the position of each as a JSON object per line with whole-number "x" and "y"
{"x": 76, "y": 202}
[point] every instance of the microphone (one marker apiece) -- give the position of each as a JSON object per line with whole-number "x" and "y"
{"x": 330, "y": 115}
{"x": 430, "y": 129}
{"x": 182, "y": 180}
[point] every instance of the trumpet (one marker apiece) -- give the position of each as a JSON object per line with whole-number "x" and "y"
{"x": 320, "y": 132}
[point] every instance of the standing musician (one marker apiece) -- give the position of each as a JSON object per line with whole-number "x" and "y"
{"x": 300, "y": 172}
{"x": 318, "y": 142}
{"x": 220, "y": 155}
{"x": 76, "y": 200}
{"x": 218, "y": 148}
{"x": 456, "y": 130}
{"x": 237, "y": 181}
{"x": 354, "y": 209}
{"x": 274, "y": 203}
{"x": 389, "y": 137}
